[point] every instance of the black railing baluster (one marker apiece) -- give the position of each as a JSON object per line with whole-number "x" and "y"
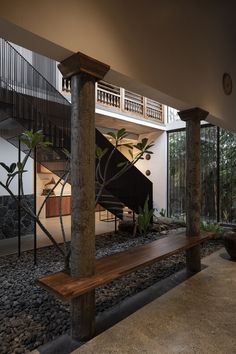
{"x": 38, "y": 105}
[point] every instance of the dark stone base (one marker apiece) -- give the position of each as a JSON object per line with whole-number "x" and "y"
{"x": 230, "y": 244}
{"x": 104, "y": 320}
{"x": 126, "y": 226}
{"x": 9, "y": 217}
{"x": 227, "y": 257}
{"x": 61, "y": 345}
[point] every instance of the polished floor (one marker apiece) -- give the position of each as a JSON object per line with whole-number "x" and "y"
{"x": 196, "y": 317}
{"x": 10, "y": 246}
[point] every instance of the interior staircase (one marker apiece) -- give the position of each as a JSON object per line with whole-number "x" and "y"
{"x": 29, "y": 101}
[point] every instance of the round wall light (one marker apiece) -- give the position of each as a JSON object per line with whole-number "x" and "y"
{"x": 227, "y": 84}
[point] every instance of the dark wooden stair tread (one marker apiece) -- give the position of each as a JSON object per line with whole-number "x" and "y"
{"x": 117, "y": 265}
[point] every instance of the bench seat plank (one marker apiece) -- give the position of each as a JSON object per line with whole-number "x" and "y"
{"x": 117, "y": 265}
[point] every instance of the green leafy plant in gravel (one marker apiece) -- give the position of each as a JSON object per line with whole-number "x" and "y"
{"x": 144, "y": 218}
{"x": 162, "y": 212}
{"x": 214, "y": 228}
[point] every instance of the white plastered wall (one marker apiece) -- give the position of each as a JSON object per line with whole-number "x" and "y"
{"x": 9, "y": 154}
{"x": 157, "y": 165}
{"x": 45, "y": 177}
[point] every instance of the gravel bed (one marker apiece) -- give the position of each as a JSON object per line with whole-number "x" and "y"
{"x": 30, "y": 317}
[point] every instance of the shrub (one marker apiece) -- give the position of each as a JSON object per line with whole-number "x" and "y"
{"x": 144, "y": 218}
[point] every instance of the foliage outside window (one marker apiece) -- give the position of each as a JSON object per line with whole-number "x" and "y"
{"x": 218, "y": 174}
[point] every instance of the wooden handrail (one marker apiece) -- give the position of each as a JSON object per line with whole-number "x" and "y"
{"x": 132, "y": 103}
{"x": 117, "y": 98}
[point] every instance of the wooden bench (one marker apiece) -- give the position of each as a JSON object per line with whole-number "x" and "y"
{"x": 117, "y": 265}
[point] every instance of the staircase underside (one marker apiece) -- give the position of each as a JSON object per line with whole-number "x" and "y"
{"x": 20, "y": 112}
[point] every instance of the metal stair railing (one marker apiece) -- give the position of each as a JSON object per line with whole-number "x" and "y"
{"x": 24, "y": 78}
{"x": 37, "y": 101}
{"x": 27, "y": 117}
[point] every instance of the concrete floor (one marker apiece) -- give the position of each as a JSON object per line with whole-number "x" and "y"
{"x": 196, "y": 317}
{"x": 9, "y": 246}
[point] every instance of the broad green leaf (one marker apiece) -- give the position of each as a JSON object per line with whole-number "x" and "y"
{"x": 12, "y": 175}
{"x": 34, "y": 139}
{"x": 113, "y": 135}
{"x": 100, "y": 152}
{"x": 66, "y": 153}
{"x": 121, "y": 133}
{"x": 104, "y": 151}
{"x": 131, "y": 153}
{"x": 7, "y": 168}
{"x": 128, "y": 146}
{"x": 19, "y": 165}
{"x": 144, "y": 141}
{"x": 144, "y": 217}
{"x": 121, "y": 164}
{"x": 12, "y": 167}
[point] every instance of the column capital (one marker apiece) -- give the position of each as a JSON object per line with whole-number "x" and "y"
{"x": 193, "y": 114}
{"x": 80, "y": 63}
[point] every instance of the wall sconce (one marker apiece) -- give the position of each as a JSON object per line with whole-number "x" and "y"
{"x": 227, "y": 83}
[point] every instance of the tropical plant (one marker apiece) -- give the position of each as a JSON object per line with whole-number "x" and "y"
{"x": 102, "y": 178}
{"x": 225, "y": 215}
{"x": 162, "y": 212}
{"x": 35, "y": 140}
{"x": 214, "y": 228}
{"x": 144, "y": 218}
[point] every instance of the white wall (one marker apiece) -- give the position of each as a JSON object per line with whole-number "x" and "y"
{"x": 45, "y": 177}
{"x": 27, "y": 54}
{"x": 158, "y": 167}
{"x": 9, "y": 154}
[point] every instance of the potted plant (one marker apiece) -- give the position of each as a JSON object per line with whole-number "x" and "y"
{"x": 230, "y": 243}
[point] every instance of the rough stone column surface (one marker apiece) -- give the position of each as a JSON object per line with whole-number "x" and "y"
{"x": 193, "y": 178}
{"x": 193, "y": 118}
{"x": 83, "y": 72}
{"x": 83, "y": 197}
{"x": 82, "y": 166}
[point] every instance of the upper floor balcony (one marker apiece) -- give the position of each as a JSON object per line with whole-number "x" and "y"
{"x": 120, "y": 100}
{"x": 26, "y": 71}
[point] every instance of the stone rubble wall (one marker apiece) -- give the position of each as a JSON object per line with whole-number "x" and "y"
{"x": 9, "y": 217}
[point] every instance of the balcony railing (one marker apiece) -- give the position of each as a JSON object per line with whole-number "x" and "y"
{"x": 172, "y": 115}
{"x": 119, "y": 99}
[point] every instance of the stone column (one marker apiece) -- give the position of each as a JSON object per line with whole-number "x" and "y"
{"x": 83, "y": 72}
{"x": 193, "y": 117}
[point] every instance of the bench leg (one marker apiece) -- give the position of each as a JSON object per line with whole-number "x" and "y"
{"x": 83, "y": 317}
{"x": 193, "y": 259}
